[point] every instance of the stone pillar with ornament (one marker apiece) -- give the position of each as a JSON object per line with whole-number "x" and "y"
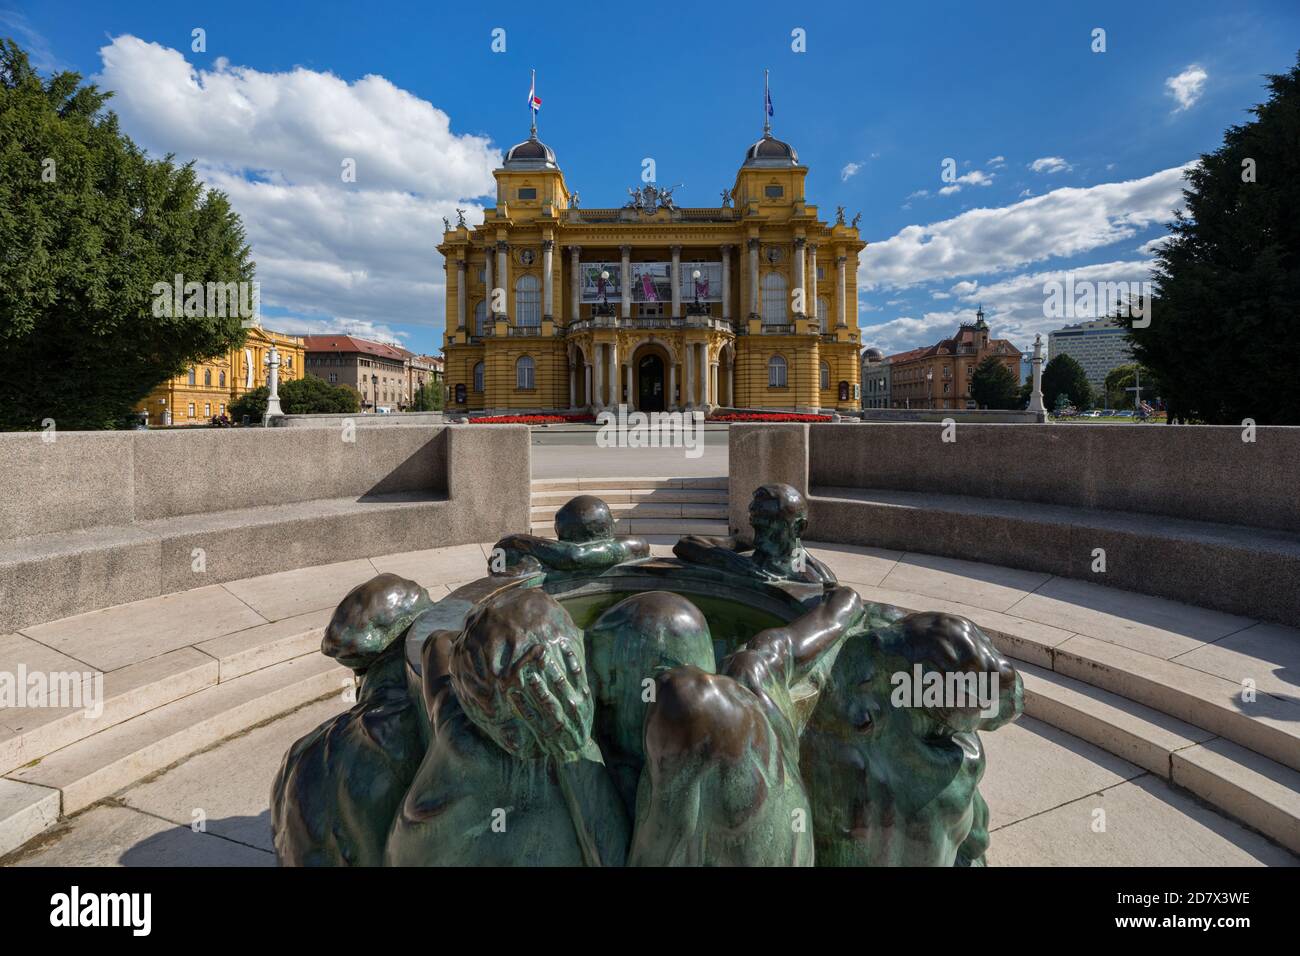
{"x": 273, "y": 409}
{"x": 1036, "y": 394}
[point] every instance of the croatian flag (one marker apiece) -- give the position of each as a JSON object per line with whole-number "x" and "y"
{"x": 767, "y": 95}
{"x": 534, "y": 101}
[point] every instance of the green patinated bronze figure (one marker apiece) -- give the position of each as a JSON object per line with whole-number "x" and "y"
{"x": 587, "y": 704}
{"x": 585, "y": 541}
{"x": 778, "y": 515}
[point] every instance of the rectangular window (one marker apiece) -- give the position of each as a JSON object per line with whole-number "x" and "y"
{"x": 207, "y": 409}
{"x": 191, "y": 411}
{"x": 773, "y": 192}
{"x": 528, "y": 192}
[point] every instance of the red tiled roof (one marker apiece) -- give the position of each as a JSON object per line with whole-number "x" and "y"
{"x": 350, "y": 343}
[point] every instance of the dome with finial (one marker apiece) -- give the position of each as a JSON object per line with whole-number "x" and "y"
{"x": 532, "y": 153}
{"x": 770, "y": 151}
{"x": 874, "y": 355}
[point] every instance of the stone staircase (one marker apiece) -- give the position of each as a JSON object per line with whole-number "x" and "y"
{"x": 647, "y": 507}
{"x": 54, "y": 763}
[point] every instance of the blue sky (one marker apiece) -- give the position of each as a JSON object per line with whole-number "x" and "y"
{"x": 1067, "y": 159}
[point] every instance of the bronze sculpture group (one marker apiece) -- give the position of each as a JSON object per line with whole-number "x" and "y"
{"x": 491, "y": 729}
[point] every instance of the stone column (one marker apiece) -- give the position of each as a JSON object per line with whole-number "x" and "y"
{"x": 575, "y": 282}
{"x": 615, "y": 396}
{"x": 753, "y": 277}
{"x": 627, "y": 380}
{"x": 704, "y": 373}
{"x": 587, "y": 399}
{"x": 597, "y": 377}
{"x": 461, "y": 272}
{"x": 548, "y": 286}
{"x": 801, "y": 275}
{"x": 677, "y": 281}
{"x": 503, "y": 273}
{"x": 487, "y": 281}
{"x": 625, "y": 280}
{"x": 273, "y": 409}
{"x": 841, "y": 306}
{"x": 688, "y": 375}
{"x": 670, "y": 400}
{"x": 726, "y": 282}
{"x": 713, "y": 384}
{"x": 573, "y": 384}
{"x": 1036, "y": 395}
{"x": 812, "y": 287}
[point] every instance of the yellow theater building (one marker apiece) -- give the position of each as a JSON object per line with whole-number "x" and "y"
{"x": 207, "y": 388}
{"x": 750, "y": 304}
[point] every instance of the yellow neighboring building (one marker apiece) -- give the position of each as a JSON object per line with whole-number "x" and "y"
{"x": 208, "y": 389}
{"x": 752, "y": 304}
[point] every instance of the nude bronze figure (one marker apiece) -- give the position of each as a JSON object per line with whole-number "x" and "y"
{"x": 585, "y": 541}
{"x": 778, "y": 514}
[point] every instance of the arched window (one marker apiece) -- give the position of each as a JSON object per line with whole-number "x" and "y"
{"x": 528, "y": 302}
{"x": 776, "y": 372}
{"x": 776, "y": 311}
{"x": 823, "y": 313}
{"x": 478, "y": 377}
{"x": 207, "y": 376}
{"x": 826, "y": 375}
{"x": 221, "y": 378}
{"x": 480, "y": 316}
{"x": 192, "y": 380}
{"x": 524, "y": 372}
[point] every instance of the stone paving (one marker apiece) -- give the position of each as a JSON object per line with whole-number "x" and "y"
{"x": 1047, "y": 790}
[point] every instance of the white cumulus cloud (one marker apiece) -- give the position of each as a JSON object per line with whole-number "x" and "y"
{"x": 1186, "y": 87}
{"x": 850, "y": 169}
{"x": 362, "y": 252}
{"x": 1050, "y": 164}
{"x": 1063, "y": 222}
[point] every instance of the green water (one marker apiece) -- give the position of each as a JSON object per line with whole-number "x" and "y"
{"x": 731, "y": 623}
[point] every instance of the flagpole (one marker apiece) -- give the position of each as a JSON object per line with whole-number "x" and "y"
{"x": 532, "y": 87}
{"x": 767, "y": 120}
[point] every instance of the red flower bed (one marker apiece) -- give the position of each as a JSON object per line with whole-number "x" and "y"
{"x": 768, "y": 417}
{"x": 531, "y": 420}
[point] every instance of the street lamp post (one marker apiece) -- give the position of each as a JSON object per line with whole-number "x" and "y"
{"x": 374, "y": 394}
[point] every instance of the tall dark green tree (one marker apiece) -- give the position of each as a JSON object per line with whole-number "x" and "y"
{"x": 1064, "y": 376}
{"x": 993, "y": 385}
{"x": 88, "y": 225}
{"x": 1227, "y": 284}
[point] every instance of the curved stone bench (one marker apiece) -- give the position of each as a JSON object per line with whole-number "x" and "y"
{"x": 1192, "y": 513}
{"x": 90, "y": 520}
{"x": 1241, "y": 570}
